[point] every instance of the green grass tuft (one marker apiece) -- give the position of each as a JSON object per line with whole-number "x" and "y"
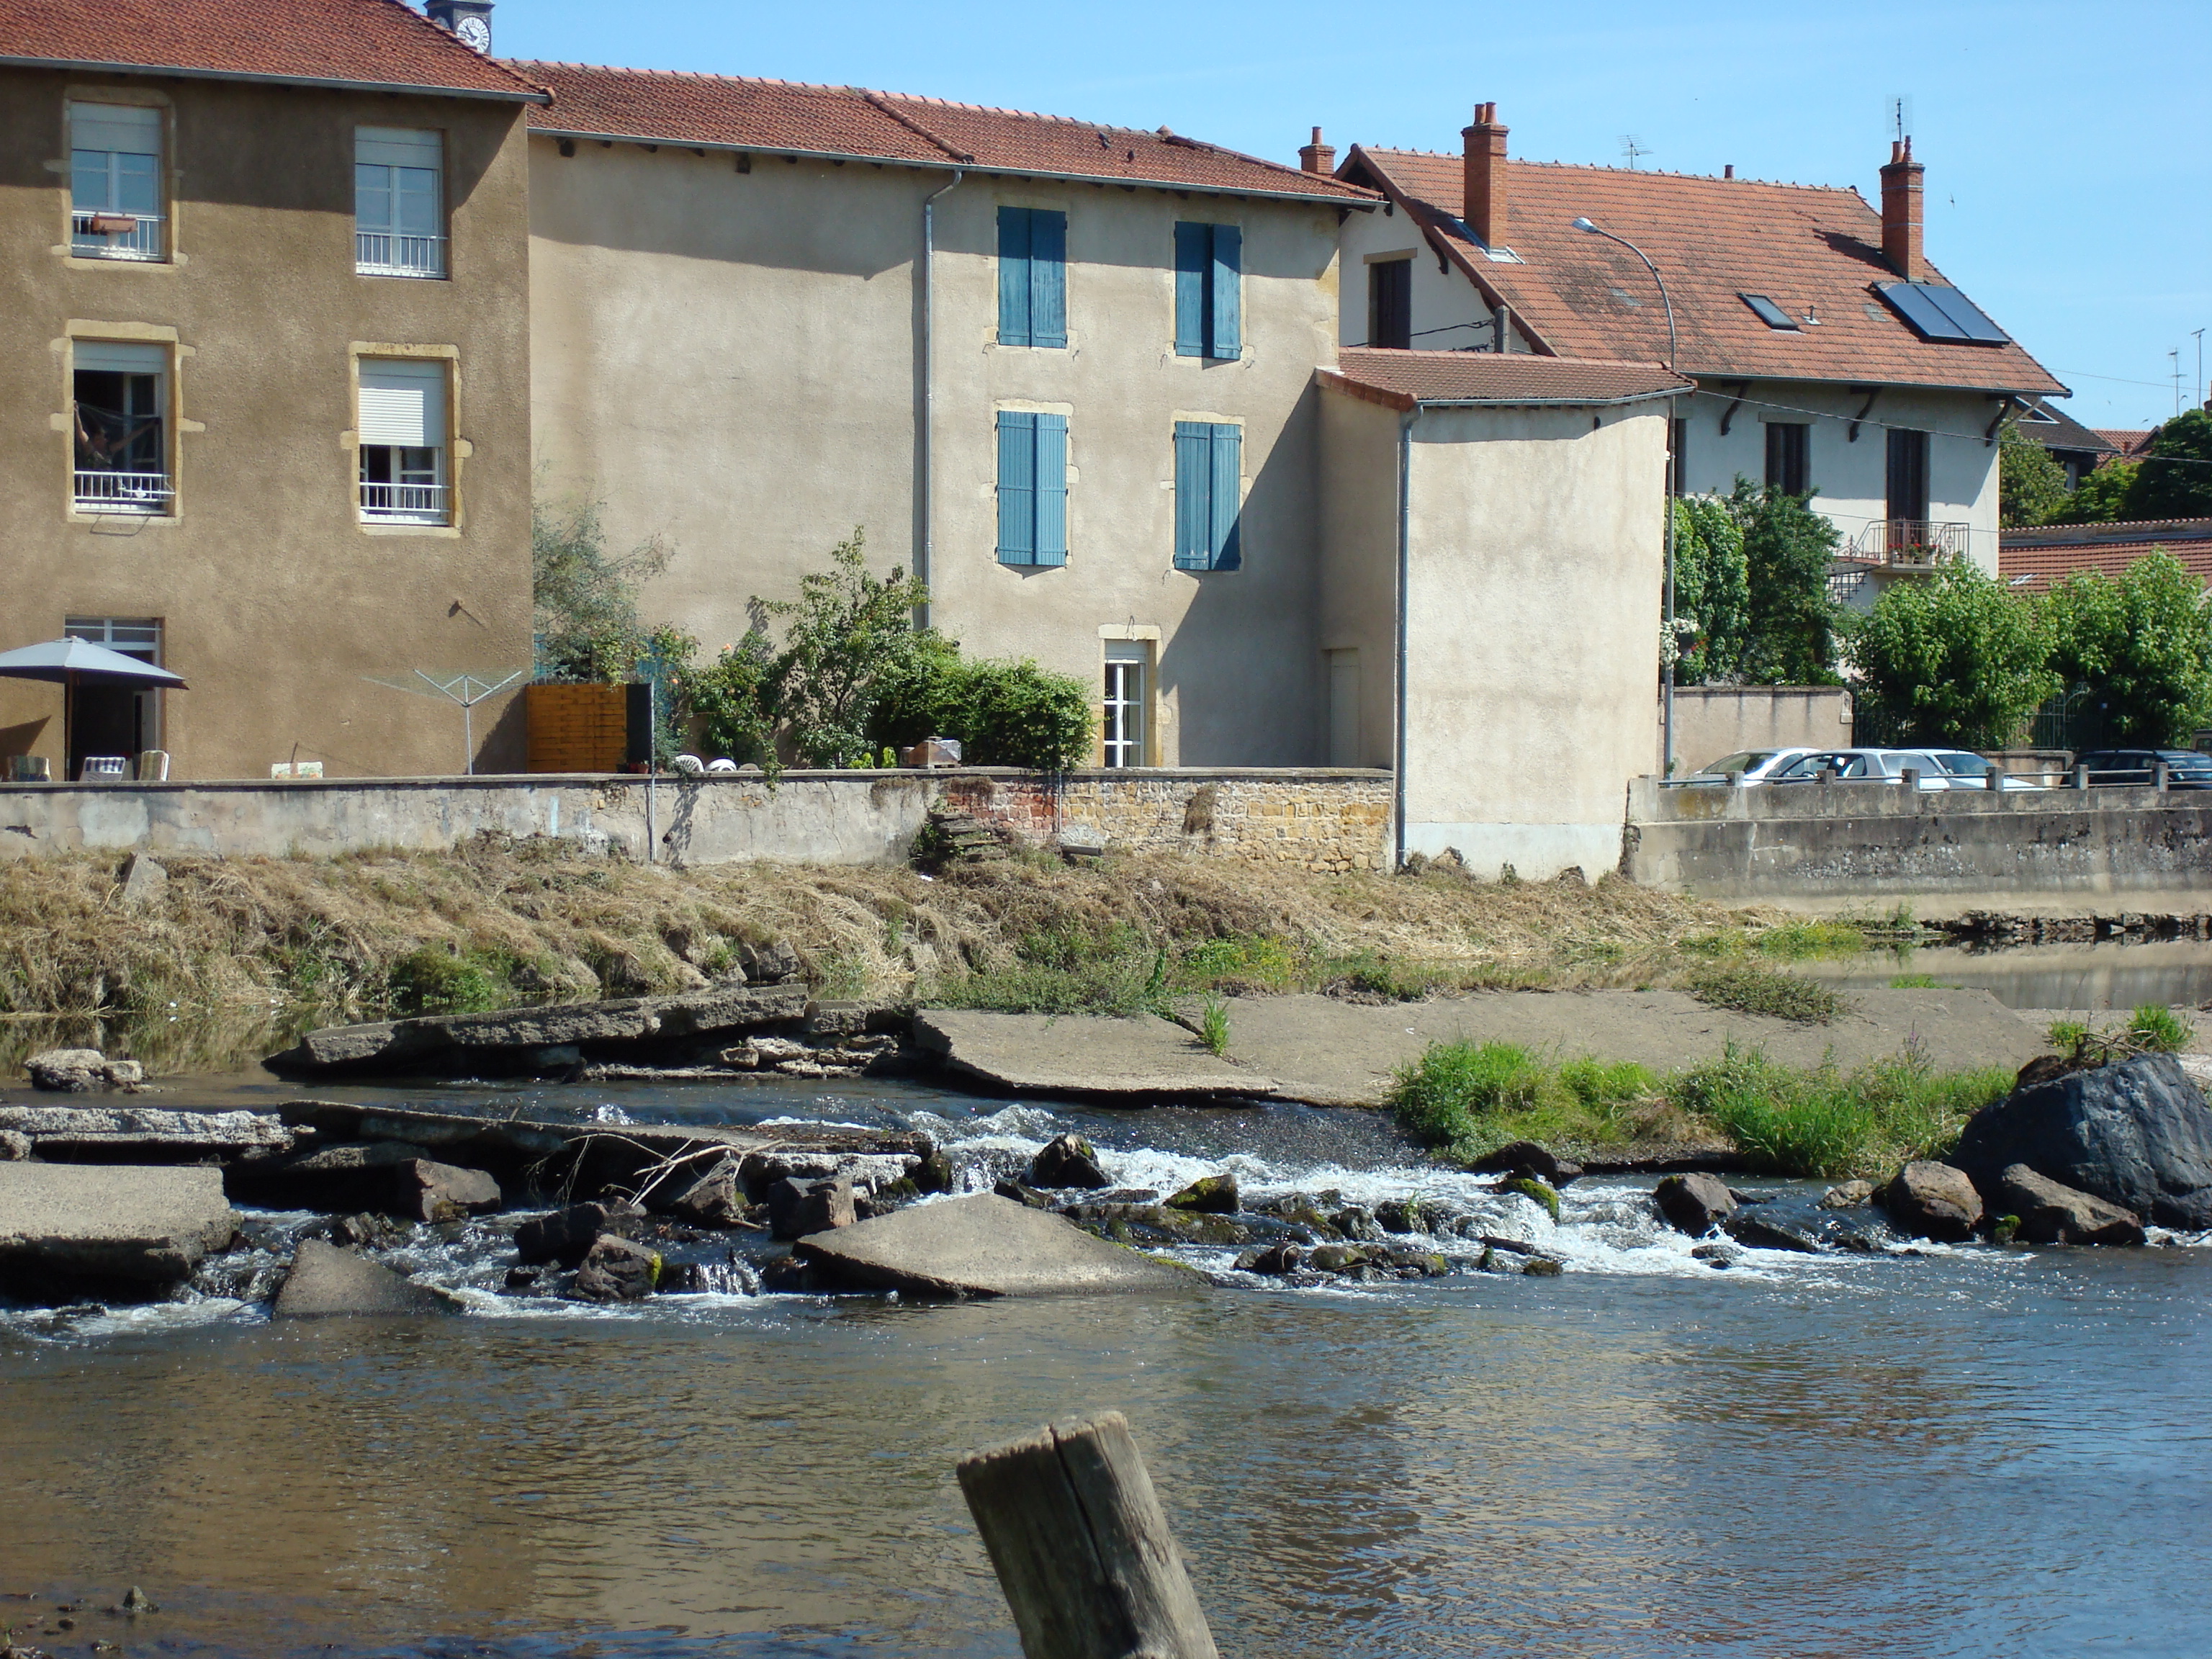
{"x": 1920, "y": 982}
{"x": 1821, "y": 1123}
{"x": 1796, "y": 941}
{"x": 1213, "y": 1026}
{"x": 2157, "y": 1030}
{"x": 1751, "y": 988}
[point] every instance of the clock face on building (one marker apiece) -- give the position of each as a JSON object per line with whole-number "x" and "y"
{"x": 475, "y": 31}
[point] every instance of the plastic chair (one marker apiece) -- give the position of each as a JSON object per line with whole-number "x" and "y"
{"x": 30, "y": 769}
{"x": 154, "y": 766}
{"x": 104, "y": 769}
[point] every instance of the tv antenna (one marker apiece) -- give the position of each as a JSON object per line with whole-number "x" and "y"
{"x": 1632, "y": 147}
{"x": 1897, "y": 115}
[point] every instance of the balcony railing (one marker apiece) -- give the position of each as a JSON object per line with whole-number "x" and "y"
{"x": 402, "y": 503}
{"x": 102, "y": 491}
{"x": 116, "y": 235}
{"x": 1909, "y": 541}
{"x": 392, "y": 253}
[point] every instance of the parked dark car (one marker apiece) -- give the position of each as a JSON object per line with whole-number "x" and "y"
{"x": 2185, "y": 768}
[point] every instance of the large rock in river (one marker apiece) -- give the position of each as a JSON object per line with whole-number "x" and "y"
{"x": 70, "y": 1229}
{"x": 2137, "y": 1135}
{"x": 984, "y": 1246}
{"x": 1932, "y": 1200}
{"x": 1695, "y": 1203}
{"x": 326, "y": 1279}
{"x": 2051, "y": 1214}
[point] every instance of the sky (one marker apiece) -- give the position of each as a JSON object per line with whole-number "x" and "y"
{"x": 2068, "y": 180}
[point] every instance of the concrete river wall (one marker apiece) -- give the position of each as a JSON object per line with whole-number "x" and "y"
{"x": 1865, "y": 840}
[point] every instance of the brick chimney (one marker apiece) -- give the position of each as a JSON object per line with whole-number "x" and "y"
{"x": 1484, "y": 201}
{"x": 1901, "y": 213}
{"x": 1317, "y": 157}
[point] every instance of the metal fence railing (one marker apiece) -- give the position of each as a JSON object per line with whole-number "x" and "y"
{"x": 101, "y": 491}
{"x": 402, "y": 503}
{"x": 1910, "y": 541}
{"x": 116, "y": 235}
{"x": 392, "y": 253}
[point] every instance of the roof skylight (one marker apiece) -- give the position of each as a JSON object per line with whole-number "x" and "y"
{"x": 1769, "y": 312}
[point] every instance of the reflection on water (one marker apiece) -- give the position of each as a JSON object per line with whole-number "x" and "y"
{"x": 1585, "y": 1465}
{"x": 2087, "y": 978}
{"x": 1969, "y": 1452}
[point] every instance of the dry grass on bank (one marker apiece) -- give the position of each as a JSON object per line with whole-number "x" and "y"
{"x": 489, "y": 924}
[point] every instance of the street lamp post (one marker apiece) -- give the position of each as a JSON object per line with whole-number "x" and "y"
{"x": 1666, "y": 667}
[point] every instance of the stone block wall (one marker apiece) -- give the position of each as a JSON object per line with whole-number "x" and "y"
{"x": 1318, "y": 819}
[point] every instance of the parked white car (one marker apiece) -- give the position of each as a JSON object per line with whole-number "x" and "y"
{"x": 1870, "y": 765}
{"x": 1970, "y": 771}
{"x": 1757, "y": 766}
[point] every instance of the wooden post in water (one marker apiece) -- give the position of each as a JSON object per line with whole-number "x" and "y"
{"x": 1081, "y": 1546}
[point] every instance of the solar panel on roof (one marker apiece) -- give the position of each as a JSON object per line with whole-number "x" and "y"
{"x": 1937, "y": 312}
{"x": 1767, "y": 311}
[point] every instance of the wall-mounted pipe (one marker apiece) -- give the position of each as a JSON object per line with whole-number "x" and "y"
{"x": 1405, "y": 571}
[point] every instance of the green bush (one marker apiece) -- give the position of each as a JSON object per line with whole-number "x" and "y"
{"x": 1958, "y": 659}
{"x": 1248, "y": 963}
{"x": 2142, "y": 642}
{"x": 433, "y": 980}
{"x": 1794, "y": 941}
{"x": 1003, "y": 713}
{"x": 1440, "y": 1097}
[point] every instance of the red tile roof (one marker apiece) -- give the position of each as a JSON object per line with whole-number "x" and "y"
{"x": 1810, "y": 249}
{"x": 2048, "y": 553}
{"x": 1403, "y": 379}
{"x": 789, "y": 118}
{"x": 2132, "y": 442}
{"x": 379, "y": 43}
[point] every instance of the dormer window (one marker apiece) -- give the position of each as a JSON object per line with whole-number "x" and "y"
{"x": 1769, "y": 312}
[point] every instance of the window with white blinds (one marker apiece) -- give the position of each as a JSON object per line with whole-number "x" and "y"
{"x": 401, "y": 431}
{"x": 115, "y": 181}
{"x": 399, "y": 220}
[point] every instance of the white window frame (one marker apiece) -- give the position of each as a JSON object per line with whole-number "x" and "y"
{"x": 401, "y": 409}
{"x": 1125, "y": 726}
{"x": 404, "y": 163}
{"x": 107, "y": 228}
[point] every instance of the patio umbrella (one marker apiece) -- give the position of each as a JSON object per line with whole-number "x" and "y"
{"x": 71, "y": 663}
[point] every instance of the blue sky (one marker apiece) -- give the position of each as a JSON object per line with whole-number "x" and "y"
{"x": 2068, "y": 172}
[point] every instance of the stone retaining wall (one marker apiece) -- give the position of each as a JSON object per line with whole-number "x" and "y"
{"x": 1325, "y": 820}
{"x": 1309, "y": 819}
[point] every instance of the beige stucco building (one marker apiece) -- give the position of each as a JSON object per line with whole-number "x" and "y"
{"x": 741, "y": 347}
{"x": 263, "y": 374}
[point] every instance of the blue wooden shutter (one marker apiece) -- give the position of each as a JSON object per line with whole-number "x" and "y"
{"x": 1227, "y": 492}
{"x": 1193, "y": 492}
{"x": 1048, "y": 279}
{"x": 1226, "y": 339}
{"x": 1013, "y": 276}
{"x": 1051, "y": 542}
{"x": 1193, "y": 257}
{"x": 1017, "y": 487}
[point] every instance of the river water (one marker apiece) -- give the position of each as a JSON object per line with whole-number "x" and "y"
{"x": 1959, "y": 1452}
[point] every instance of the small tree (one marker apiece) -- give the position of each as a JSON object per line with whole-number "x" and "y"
{"x": 2100, "y": 498}
{"x": 846, "y": 635}
{"x": 2142, "y": 643}
{"x": 1792, "y": 624}
{"x": 1712, "y": 589}
{"x": 2175, "y": 479}
{"x": 2031, "y": 484}
{"x": 583, "y": 601}
{"x": 1955, "y": 660}
{"x": 1004, "y": 714}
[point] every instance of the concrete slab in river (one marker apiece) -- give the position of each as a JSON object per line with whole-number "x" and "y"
{"x": 1084, "y": 1055}
{"x": 985, "y": 1246}
{"x": 107, "y": 1225}
{"x": 1325, "y": 1052}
